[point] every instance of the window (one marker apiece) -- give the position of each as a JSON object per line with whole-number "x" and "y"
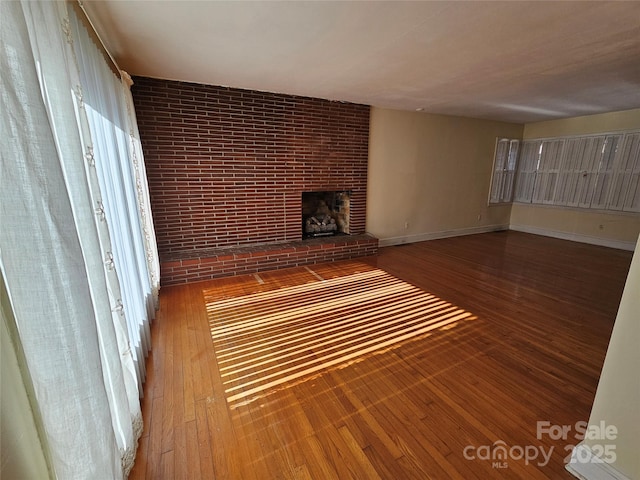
{"x": 504, "y": 170}
{"x": 591, "y": 171}
{"x": 547, "y": 172}
{"x": 605, "y": 171}
{"x": 624, "y": 190}
{"x": 571, "y": 171}
{"x": 527, "y": 172}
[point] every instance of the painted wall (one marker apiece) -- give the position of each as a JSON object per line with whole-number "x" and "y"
{"x": 612, "y": 229}
{"x": 617, "y": 399}
{"x": 429, "y": 175}
{"x": 588, "y": 124}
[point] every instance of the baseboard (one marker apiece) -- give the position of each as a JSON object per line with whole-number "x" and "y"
{"x": 585, "y": 465}
{"x": 421, "y": 237}
{"x": 575, "y": 237}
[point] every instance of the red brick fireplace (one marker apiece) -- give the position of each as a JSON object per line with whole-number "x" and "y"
{"x": 227, "y": 169}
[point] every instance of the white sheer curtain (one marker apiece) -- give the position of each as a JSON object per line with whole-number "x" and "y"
{"x": 105, "y": 109}
{"x": 77, "y": 250}
{"x": 142, "y": 191}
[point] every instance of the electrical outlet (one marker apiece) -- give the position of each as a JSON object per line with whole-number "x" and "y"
{"x": 479, "y": 216}
{"x": 406, "y": 225}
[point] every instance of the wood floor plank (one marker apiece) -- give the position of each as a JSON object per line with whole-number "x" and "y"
{"x": 167, "y": 465}
{"x": 154, "y": 451}
{"x": 370, "y": 427}
{"x": 526, "y": 344}
{"x": 204, "y": 440}
{"x": 187, "y": 371}
{"x": 192, "y": 450}
{"x": 317, "y": 460}
{"x": 247, "y": 445}
{"x": 180, "y": 466}
{"x": 358, "y": 453}
{"x": 171, "y": 391}
{"x": 139, "y": 470}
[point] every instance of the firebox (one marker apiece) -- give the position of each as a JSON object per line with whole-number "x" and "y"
{"x": 325, "y": 213}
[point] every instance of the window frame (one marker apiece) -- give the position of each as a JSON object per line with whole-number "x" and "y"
{"x": 503, "y": 171}
{"x": 588, "y": 182}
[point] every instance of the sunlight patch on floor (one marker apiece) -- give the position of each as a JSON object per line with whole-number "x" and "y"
{"x": 273, "y": 339}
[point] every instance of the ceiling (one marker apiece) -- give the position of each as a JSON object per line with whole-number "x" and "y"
{"x": 511, "y": 61}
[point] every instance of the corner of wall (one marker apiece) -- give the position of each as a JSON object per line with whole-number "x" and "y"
{"x": 429, "y": 175}
{"x": 606, "y": 228}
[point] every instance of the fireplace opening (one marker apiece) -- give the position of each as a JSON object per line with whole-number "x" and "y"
{"x": 325, "y": 213}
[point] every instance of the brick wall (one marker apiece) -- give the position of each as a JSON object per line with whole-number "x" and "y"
{"x": 227, "y": 167}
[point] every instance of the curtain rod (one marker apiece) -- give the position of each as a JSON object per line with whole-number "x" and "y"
{"x": 93, "y": 34}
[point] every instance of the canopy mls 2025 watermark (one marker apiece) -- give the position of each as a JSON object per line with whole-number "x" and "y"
{"x": 600, "y": 435}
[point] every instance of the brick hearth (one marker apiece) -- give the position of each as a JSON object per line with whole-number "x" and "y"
{"x": 227, "y": 168}
{"x": 228, "y": 261}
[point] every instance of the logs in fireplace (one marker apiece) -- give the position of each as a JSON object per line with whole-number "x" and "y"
{"x": 325, "y": 213}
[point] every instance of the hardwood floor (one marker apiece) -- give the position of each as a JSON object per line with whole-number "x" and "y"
{"x": 418, "y": 363}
